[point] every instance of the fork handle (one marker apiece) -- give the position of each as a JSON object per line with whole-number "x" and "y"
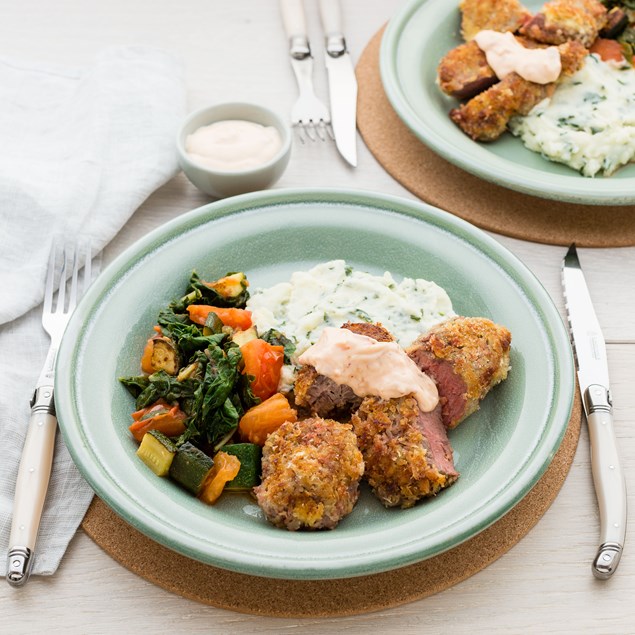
{"x": 31, "y": 485}
{"x": 295, "y": 27}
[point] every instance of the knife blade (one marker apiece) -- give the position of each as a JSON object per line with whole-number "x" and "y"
{"x": 593, "y": 378}
{"x": 342, "y": 81}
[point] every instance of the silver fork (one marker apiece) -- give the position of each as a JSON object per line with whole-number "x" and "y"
{"x": 309, "y": 115}
{"x": 37, "y": 455}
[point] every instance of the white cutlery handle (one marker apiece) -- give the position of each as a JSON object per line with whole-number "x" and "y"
{"x": 293, "y": 18}
{"x": 331, "y": 16}
{"x": 610, "y": 489}
{"x": 31, "y": 485}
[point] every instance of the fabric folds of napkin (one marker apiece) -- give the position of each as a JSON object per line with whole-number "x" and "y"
{"x": 82, "y": 148}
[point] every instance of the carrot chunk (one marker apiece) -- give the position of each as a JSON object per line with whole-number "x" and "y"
{"x": 160, "y": 416}
{"x": 226, "y": 468}
{"x": 608, "y": 50}
{"x": 261, "y": 420}
{"x": 236, "y": 318}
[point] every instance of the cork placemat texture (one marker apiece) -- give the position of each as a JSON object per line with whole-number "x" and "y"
{"x": 329, "y": 598}
{"x": 486, "y": 205}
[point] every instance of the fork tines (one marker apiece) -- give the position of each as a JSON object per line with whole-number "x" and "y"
{"x": 65, "y": 263}
{"x": 314, "y": 130}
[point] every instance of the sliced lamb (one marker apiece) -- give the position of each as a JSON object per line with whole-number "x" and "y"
{"x": 323, "y": 397}
{"x": 406, "y": 452}
{"x": 466, "y": 357}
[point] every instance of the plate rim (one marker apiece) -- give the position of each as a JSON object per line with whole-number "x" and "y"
{"x": 551, "y": 323}
{"x": 527, "y": 180}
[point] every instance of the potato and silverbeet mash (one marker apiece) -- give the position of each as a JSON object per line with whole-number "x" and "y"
{"x": 589, "y": 123}
{"x": 332, "y": 293}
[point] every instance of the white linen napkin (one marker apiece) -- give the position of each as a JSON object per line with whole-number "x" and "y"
{"x": 80, "y": 150}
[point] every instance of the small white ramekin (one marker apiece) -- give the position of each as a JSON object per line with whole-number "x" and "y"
{"x": 221, "y": 183}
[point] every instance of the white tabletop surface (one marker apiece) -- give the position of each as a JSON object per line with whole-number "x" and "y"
{"x": 237, "y": 51}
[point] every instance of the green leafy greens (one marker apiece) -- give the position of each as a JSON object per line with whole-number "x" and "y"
{"x": 210, "y": 388}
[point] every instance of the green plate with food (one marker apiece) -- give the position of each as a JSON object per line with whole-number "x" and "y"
{"x": 510, "y": 92}
{"x": 207, "y": 391}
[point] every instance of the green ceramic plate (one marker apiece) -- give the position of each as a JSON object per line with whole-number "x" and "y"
{"x": 501, "y": 451}
{"x": 416, "y": 39}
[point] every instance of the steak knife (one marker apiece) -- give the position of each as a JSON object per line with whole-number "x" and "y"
{"x": 593, "y": 378}
{"x": 342, "y": 81}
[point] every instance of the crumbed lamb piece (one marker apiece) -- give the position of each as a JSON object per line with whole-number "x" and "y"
{"x": 376, "y": 331}
{"x": 464, "y": 72}
{"x": 406, "y": 452}
{"x": 324, "y": 397}
{"x": 320, "y": 395}
{"x": 311, "y": 471}
{"x": 567, "y": 20}
{"x": 485, "y": 117}
{"x": 495, "y": 15}
{"x": 466, "y": 357}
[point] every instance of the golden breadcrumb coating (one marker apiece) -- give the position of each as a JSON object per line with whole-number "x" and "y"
{"x": 464, "y": 72}
{"x": 496, "y": 15}
{"x": 310, "y": 474}
{"x": 485, "y": 117}
{"x": 565, "y": 20}
{"x": 399, "y": 466}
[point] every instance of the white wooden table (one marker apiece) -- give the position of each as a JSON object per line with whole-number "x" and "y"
{"x": 237, "y": 51}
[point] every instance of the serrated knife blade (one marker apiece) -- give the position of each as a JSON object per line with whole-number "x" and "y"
{"x": 593, "y": 378}
{"x": 342, "y": 82}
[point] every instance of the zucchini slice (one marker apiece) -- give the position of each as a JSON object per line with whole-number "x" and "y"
{"x": 249, "y": 455}
{"x": 213, "y": 324}
{"x": 231, "y": 286}
{"x": 165, "y": 355}
{"x": 242, "y": 337}
{"x": 190, "y": 467}
{"x": 157, "y": 451}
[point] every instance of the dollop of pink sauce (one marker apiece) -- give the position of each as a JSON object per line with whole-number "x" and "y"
{"x": 506, "y": 55}
{"x": 369, "y": 367}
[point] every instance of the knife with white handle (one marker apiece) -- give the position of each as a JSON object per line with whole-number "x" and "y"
{"x": 593, "y": 377}
{"x": 342, "y": 81}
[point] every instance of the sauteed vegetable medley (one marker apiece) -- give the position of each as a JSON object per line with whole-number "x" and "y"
{"x": 207, "y": 398}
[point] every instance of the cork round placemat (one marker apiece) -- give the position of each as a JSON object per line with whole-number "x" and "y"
{"x": 329, "y": 598}
{"x": 484, "y": 204}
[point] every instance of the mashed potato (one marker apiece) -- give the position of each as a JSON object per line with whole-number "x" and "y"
{"x": 333, "y": 293}
{"x": 589, "y": 123}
